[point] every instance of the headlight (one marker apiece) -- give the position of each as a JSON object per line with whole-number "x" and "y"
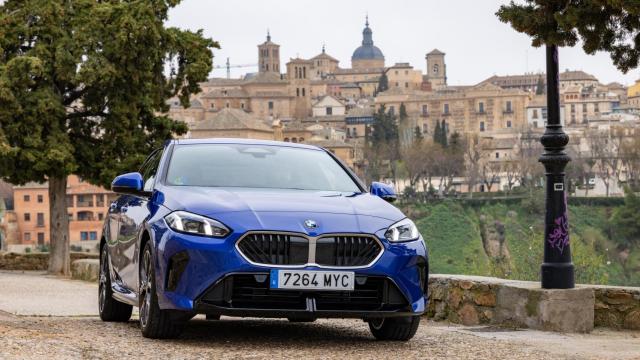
{"x": 403, "y": 230}
{"x": 189, "y": 223}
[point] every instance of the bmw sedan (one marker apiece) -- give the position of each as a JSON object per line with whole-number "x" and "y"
{"x": 255, "y": 228}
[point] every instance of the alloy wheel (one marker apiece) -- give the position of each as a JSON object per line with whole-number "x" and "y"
{"x": 145, "y": 288}
{"x": 104, "y": 272}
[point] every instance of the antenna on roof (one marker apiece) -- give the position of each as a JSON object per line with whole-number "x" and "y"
{"x": 366, "y": 23}
{"x": 268, "y": 35}
{"x": 323, "y": 44}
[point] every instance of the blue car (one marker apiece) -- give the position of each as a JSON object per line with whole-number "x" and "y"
{"x": 255, "y": 228}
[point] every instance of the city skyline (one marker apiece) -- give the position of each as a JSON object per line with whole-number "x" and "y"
{"x": 397, "y": 31}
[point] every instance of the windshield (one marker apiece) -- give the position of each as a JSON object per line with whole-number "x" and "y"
{"x": 257, "y": 166}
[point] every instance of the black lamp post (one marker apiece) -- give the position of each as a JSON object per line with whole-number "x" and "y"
{"x": 557, "y": 268}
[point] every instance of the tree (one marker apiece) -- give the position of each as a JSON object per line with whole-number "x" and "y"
{"x": 626, "y": 219}
{"x": 437, "y": 132}
{"x": 383, "y": 83}
{"x": 472, "y": 156}
{"x": 417, "y": 134}
{"x": 611, "y": 26}
{"x": 443, "y": 134}
{"x": 82, "y": 87}
{"x": 540, "y": 86}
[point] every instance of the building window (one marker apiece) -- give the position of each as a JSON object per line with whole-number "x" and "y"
{"x": 481, "y": 107}
{"x": 26, "y": 237}
{"x": 100, "y": 200}
{"x": 242, "y": 105}
{"x": 508, "y": 123}
{"x": 573, "y": 108}
{"x": 303, "y": 92}
{"x": 227, "y": 104}
{"x": 84, "y": 201}
{"x": 27, "y": 198}
{"x": 93, "y": 235}
{"x": 84, "y": 235}
{"x": 27, "y": 217}
{"x": 297, "y": 91}
{"x": 40, "y": 198}
{"x": 425, "y": 110}
{"x": 481, "y": 125}
{"x": 329, "y": 110}
{"x": 535, "y": 113}
{"x": 213, "y": 105}
{"x": 304, "y": 75}
{"x": 584, "y": 108}
{"x": 40, "y": 220}
{"x": 445, "y": 109}
{"x": 397, "y": 84}
{"x": 596, "y": 108}
{"x": 286, "y": 139}
{"x": 508, "y": 107}
{"x": 355, "y": 132}
{"x": 535, "y": 124}
{"x": 406, "y": 84}
{"x": 270, "y": 105}
{"x": 85, "y": 216}
{"x": 497, "y": 155}
{"x": 436, "y": 68}
{"x": 40, "y": 238}
{"x": 425, "y": 128}
{"x": 100, "y": 216}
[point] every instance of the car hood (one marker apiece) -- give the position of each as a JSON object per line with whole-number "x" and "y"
{"x": 271, "y": 208}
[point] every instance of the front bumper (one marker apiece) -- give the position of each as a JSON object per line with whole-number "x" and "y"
{"x": 206, "y": 275}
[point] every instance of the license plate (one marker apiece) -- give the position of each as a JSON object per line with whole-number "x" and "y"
{"x": 312, "y": 280}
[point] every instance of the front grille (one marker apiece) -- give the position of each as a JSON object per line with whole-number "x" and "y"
{"x": 297, "y": 249}
{"x": 346, "y": 250}
{"x": 251, "y": 291}
{"x": 275, "y": 249}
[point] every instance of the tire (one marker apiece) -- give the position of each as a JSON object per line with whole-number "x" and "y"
{"x": 395, "y": 329}
{"x": 109, "y": 308}
{"x": 154, "y": 322}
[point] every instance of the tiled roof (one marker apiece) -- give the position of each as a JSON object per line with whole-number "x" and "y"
{"x": 231, "y": 119}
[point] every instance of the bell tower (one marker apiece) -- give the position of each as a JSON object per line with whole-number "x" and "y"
{"x": 436, "y": 69}
{"x": 269, "y": 56}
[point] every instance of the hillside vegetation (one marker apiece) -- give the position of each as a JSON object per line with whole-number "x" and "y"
{"x": 505, "y": 240}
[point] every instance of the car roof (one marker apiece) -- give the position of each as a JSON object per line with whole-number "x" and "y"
{"x": 242, "y": 141}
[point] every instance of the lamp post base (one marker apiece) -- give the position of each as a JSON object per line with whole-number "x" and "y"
{"x": 557, "y": 276}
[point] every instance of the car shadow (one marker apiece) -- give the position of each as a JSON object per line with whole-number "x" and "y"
{"x": 272, "y": 332}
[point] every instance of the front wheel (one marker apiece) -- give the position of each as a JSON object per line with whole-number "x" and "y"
{"x": 109, "y": 308}
{"x": 395, "y": 329}
{"x": 154, "y": 322}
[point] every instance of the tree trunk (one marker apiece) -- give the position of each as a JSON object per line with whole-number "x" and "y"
{"x": 59, "y": 261}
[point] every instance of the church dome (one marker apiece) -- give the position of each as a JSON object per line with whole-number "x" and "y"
{"x": 367, "y": 51}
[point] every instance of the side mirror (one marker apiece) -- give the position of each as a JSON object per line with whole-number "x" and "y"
{"x": 383, "y": 190}
{"x": 130, "y": 183}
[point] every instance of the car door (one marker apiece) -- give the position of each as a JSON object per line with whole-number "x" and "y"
{"x": 133, "y": 215}
{"x": 112, "y": 233}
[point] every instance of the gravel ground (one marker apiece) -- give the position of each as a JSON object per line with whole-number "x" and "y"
{"x": 43, "y": 317}
{"x": 59, "y": 338}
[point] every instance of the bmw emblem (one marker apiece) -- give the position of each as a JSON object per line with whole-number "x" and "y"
{"x": 310, "y": 224}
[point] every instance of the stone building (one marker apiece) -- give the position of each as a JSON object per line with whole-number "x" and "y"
{"x": 474, "y": 109}
{"x": 403, "y": 75}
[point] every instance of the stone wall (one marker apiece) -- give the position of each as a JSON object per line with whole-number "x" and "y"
{"x": 474, "y": 300}
{"x": 617, "y": 307}
{"x": 34, "y": 261}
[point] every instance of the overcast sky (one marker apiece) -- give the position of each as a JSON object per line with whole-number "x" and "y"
{"x": 476, "y": 43}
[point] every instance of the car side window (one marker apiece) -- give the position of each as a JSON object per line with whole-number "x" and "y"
{"x": 149, "y": 170}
